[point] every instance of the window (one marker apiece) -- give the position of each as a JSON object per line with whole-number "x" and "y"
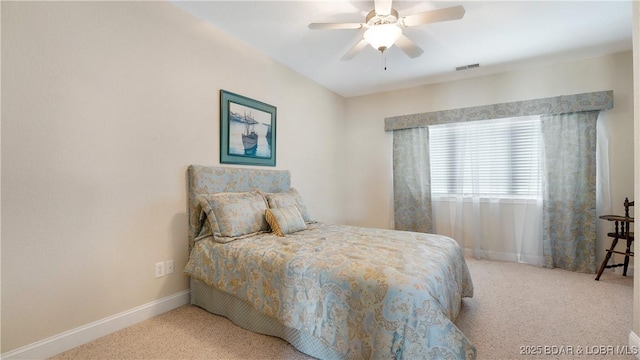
{"x": 488, "y": 158}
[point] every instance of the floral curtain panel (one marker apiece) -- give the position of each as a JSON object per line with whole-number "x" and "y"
{"x": 569, "y": 200}
{"x": 411, "y": 184}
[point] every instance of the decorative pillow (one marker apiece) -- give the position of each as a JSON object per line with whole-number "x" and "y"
{"x": 285, "y": 220}
{"x": 234, "y": 215}
{"x": 287, "y": 199}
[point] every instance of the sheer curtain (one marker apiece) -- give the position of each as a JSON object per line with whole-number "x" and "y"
{"x": 487, "y": 195}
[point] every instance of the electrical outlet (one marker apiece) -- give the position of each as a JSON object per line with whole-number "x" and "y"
{"x": 159, "y": 269}
{"x": 169, "y": 265}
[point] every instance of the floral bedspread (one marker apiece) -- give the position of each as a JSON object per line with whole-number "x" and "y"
{"x": 367, "y": 293}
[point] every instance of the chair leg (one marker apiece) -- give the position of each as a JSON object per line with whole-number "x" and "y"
{"x": 606, "y": 258}
{"x": 626, "y": 258}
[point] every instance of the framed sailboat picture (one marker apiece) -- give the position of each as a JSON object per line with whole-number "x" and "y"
{"x": 247, "y": 131}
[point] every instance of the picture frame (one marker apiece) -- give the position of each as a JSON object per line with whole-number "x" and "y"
{"x": 247, "y": 131}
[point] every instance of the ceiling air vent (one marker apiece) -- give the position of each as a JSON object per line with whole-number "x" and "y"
{"x": 467, "y": 67}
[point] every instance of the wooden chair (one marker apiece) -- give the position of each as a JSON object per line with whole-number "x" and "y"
{"x": 622, "y": 231}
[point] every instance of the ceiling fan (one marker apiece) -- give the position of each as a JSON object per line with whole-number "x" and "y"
{"x": 384, "y": 27}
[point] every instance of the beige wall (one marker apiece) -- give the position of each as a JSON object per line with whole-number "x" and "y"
{"x": 104, "y": 105}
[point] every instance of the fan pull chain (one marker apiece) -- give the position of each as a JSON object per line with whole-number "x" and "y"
{"x": 384, "y": 61}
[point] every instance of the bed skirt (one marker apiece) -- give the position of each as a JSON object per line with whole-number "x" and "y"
{"x": 245, "y": 316}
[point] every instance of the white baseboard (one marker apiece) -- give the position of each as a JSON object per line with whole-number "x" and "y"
{"x": 634, "y": 343}
{"x": 506, "y": 257}
{"x": 86, "y": 333}
{"x": 618, "y": 270}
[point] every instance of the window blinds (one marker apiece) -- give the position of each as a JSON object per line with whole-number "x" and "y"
{"x": 500, "y": 157}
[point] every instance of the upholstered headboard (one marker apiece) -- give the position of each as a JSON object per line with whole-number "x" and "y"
{"x": 214, "y": 179}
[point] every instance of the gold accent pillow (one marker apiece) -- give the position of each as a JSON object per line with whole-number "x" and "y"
{"x": 285, "y": 220}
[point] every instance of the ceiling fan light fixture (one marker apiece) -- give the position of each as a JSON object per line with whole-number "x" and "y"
{"x": 381, "y": 37}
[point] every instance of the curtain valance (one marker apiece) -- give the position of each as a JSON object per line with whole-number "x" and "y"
{"x": 593, "y": 101}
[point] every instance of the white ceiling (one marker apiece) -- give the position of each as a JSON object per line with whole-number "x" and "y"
{"x": 498, "y": 35}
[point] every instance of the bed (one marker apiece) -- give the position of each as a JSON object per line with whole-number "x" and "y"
{"x": 332, "y": 291}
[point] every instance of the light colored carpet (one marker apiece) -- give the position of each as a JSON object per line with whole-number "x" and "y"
{"x": 514, "y": 306}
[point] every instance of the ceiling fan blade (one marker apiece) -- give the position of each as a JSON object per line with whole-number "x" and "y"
{"x": 382, "y": 7}
{"x": 427, "y": 17}
{"x": 335, "y": 26}
{"x": 408, "y": 46}
{"x": 355, "y": 50}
